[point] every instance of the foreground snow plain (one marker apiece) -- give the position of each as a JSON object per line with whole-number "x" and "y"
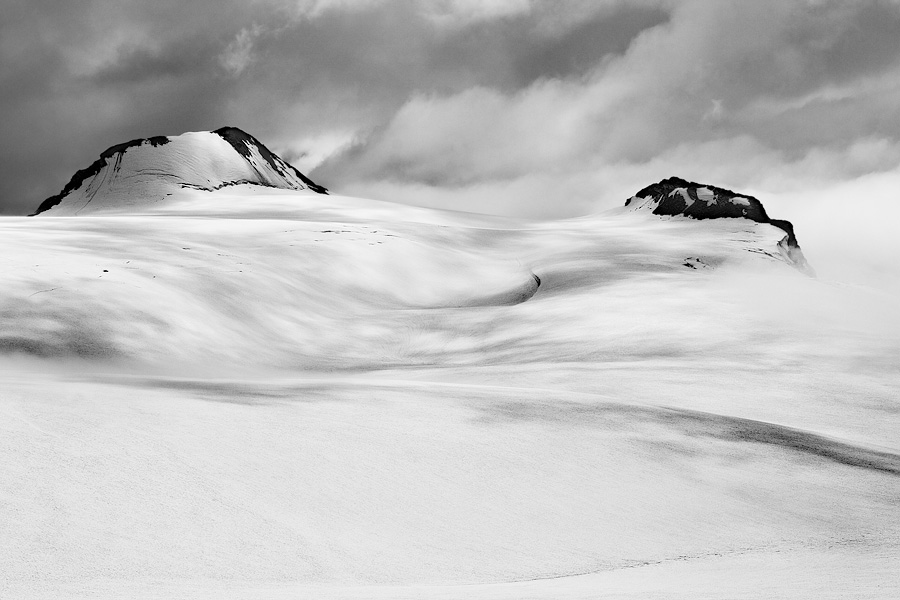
{"x": 260, "y": 393}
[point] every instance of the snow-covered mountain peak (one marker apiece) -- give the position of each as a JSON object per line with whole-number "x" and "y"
{"x": 678, "y": 197}
{"x": 148, "y": 170}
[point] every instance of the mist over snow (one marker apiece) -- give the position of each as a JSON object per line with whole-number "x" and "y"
{"x": 501, "y": 299}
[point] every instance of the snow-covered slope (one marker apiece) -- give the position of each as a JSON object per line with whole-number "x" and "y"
{"x": 264, "y": 393}
{"x": 144, "y": 172}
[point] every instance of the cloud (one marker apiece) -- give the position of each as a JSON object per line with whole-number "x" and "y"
{"x": 848, "y": 229}
{"x": 470, "y": 136}
{"x": 238, "y": 55}
{"x": 787, "y": 88}
{"x": 443, "y": 12}
{"x": 457, "y": 13}
{"x": 76, "y": 78}
{"x": 309, "y": 151}
{"x": 531, "y": 107}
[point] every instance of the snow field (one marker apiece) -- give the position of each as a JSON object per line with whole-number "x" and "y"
{"x": 260, "y": 393}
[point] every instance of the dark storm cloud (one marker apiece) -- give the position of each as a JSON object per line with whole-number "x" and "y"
{"x": 868, "y": 43}
{"x": 78, "y": 77}
{"x": 787, "y": 91}
{"x": 579, "y": 50}
{"x": 82, "y": 76}
{"x": 362, "y": 66}
{"x": 138, "y": 65}
{"x": 490, "y": 102}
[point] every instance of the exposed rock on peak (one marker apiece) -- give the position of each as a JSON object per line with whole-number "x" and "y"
{"x": 678, "y": 197}
{"x": 147, "y": 170}
{"x": 245, "y": 144}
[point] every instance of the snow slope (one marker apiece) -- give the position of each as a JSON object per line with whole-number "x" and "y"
{"x": 264, "y": 393}
{"x": 149, "y": 171}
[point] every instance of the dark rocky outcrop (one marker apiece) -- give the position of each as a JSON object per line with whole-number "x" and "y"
{"x": 678, "y": 197}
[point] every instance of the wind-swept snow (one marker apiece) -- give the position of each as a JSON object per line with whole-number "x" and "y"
{"x": 266, "y": 393}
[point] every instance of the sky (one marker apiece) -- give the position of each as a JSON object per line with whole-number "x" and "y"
{"x": 529, "y": 108}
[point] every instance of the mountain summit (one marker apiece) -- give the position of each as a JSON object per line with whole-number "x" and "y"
{"x": 148, "y": 170}
{"x": 678, "y": 197}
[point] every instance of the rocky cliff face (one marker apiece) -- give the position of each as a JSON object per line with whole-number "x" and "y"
{"x": 678, "y": 197}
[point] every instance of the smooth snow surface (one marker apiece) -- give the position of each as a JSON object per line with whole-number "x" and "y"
{"x": 708, "y": 196}
{"x": 261, "y": 393}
